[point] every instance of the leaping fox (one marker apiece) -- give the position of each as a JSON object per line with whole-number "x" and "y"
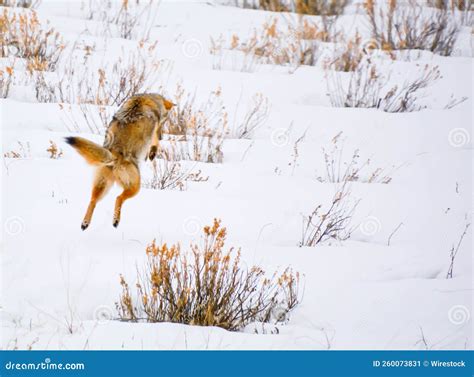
{"x": 133, "y": 133}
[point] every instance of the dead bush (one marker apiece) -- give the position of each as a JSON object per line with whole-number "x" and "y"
{"x": 195, "y": 131}
{"x": 54, "y": 151}
{"x": 92, "y": 118}
{"x": 97, "y": 89}
{"x": 193, "y": 147}
{"x": 407, "y": 25}
{"x": 311, "y": 7}
{"x": 32, "y": 4}
{"x": 108, "y": 84}
{"x": 320, "y": 7}
{"x": 224, "y": 58}
{"x": 294, "y": 45}
{"x": 170, "y": 175}
{"x": 6, "y": 78}
{"x": 328, "y": 10}
{"x": 461, "y": 10}
{"x": 332, "y": 222}
{"x": 128, "y": 19}
{"x": 368, "y": 87}
{"x": 23, "y": 36}
{"x": 348, "y": 56}
{"x": 455, "y": 250}
{"x": 206, "y": 286}
{"x": 462, "y": 5}
{"x": 339, "y": 168}
{"x": 189, "y": 116}
{"x": 254, "y": 118}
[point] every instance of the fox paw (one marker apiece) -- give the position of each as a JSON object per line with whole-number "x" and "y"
{"x": 116, "y": 223}
{"x": 152, "y": 153}
{"x": 84, "y": 225}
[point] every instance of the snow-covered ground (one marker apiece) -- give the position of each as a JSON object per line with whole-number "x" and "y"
{"x": 384, "y": 288}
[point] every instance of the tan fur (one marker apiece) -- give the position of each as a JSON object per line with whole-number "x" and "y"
{"x": 93, "y": 153}
{"x": 133, "y": 133}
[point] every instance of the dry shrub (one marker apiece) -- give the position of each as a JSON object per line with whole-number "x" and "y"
{"x": 328, "y": 10}
{"x": 463, "y": 10}
{"x": 206, "y": 286}
{"x": 6, "y": 78}
{"x": 188, "y": 116}
{"x": 195, "y": 131}
{"x": 108, "y": 84}
{"x": 273, "y": 5}
{"x": 311, "y": 7}
{"x": 340, "y": 169}
{"x": 320, "y": 7}
{"x": 332, "y": 222}
{"x": 455, "y": 250}
{"x": 92, "y": 118}
{"x": 98, "y": 89}
{"x": 32, "y": 4}
{"x": 128, "y": 19}
{"x": 348, "y": 57}
{"x": 54, "y": 151}
{"x": 407, "y": 25}
{"x": 293, "y": 45}
{"x": 368, "y": 87}
{"x": 193, "y": 147}
{"x": 254, "y": 118}
{"x": 170, "y": 175}
{"x": 224, "y": 58}
{"x": 23, "y": 36}
{"x": 462, "y": 5}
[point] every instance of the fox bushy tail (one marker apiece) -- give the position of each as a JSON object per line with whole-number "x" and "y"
{"x": 93, "y": 153}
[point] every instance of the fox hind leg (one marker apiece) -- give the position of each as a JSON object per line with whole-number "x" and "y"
{"x": 102, "y": 182}
{"x": 128, "y": 176}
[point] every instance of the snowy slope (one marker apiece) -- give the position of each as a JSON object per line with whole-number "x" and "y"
{"x": 60, "y": 285}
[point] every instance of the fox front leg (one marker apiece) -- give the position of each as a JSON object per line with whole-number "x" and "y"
{"x": 152, "y": 153}
{"x": 155, "y": 139}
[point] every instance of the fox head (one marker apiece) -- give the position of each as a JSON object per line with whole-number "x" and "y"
{"x": 167, "y": 106}
{"x": 160, "y": 106}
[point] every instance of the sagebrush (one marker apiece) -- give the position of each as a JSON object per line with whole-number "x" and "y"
{"x": 22, "y": 35}
{"x": 331, "y": 222}
{"x": 407, "y": 25}
{"x": 368, "y": 87}
{"x": 206, "y": 285}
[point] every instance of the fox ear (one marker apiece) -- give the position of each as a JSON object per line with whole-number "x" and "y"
{"x": 168, "y": 104}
